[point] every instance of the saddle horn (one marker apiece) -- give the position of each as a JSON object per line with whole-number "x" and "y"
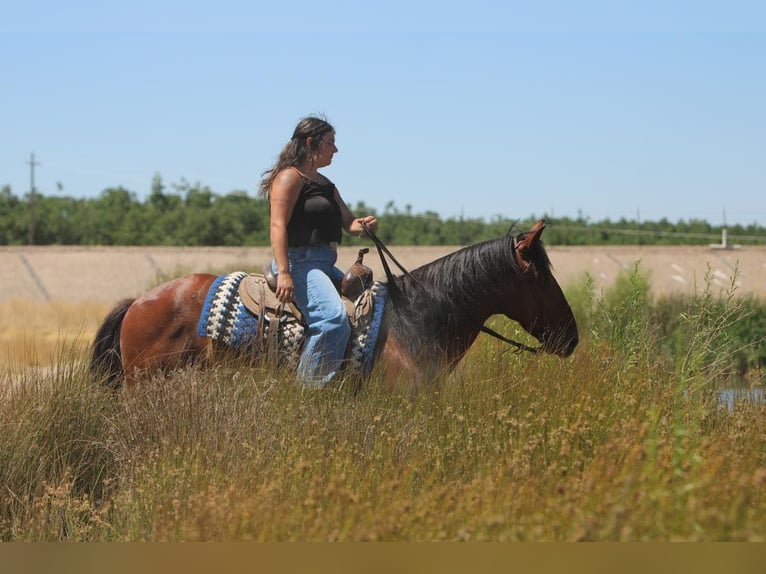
{"x": 357, "y": 278}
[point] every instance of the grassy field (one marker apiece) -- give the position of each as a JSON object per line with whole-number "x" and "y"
{"x": 34, "y": 334}
{"x": 623, "y": 441}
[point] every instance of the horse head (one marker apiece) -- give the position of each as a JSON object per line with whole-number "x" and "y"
{"x": 538, "y": 303}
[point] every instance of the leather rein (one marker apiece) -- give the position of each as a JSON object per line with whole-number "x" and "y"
{"x": 383, "y": 252}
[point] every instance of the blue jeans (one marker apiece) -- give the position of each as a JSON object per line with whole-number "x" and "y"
{"x": 313, "y": 271}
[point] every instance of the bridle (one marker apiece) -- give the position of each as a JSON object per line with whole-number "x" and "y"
{"x": 383, "y": 251}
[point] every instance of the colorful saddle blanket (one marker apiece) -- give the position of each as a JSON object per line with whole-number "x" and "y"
{"x": 225, "y": 318}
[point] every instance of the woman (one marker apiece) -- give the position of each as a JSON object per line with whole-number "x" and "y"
{"x": 307, "y": 218}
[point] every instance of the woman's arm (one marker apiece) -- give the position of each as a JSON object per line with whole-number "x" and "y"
{"x": 282, "y": 198}
{"x": 353, "y": 225}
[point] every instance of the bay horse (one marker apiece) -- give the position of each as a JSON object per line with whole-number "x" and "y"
{"x": 431, "y": 317}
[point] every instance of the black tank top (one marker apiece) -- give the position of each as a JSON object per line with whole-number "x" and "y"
{"x": 316, "y": 216}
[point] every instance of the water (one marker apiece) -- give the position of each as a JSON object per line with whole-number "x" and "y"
{"x": 729, "y": 397}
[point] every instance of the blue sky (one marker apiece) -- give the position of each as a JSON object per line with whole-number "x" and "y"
{"x": 615, "y": 109}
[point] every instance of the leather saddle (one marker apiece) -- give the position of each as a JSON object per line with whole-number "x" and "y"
{"x": 258, "y": 291}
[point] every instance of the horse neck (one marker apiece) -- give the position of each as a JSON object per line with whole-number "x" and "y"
{"x": 451, "y": 298}
{"x": 479, "y": 278}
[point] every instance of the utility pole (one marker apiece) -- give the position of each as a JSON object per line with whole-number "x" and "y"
{"x": 32, "y": 163}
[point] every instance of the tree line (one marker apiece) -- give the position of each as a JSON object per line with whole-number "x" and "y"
{"x": 194, "y": 215}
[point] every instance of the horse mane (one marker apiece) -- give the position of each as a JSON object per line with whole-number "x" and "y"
{"x": 454, "y": 286}
{"x": 470, "y": 266}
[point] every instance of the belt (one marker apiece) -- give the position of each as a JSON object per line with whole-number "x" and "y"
{"x": 333, "y": 245}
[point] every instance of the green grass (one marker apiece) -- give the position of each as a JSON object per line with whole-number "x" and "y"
{"x": 623, "y": 441}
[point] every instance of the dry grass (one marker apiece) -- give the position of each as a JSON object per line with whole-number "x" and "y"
{"x": 614, "y": 444}
{"x": 518, "y": 449}
{"x": 34, "y": 334}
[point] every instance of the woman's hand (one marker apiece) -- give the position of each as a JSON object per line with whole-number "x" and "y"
{"x": 357, "y": 226}
{"x": 285, "y": 287}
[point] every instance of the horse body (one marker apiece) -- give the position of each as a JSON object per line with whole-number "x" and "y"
{"x": 160, "y": 327}
{"x": 431, "y": 317}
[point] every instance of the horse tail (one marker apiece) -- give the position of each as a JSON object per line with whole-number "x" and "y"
{"x": 106, "y": 360}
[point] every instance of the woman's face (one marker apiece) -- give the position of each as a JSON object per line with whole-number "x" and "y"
{"x": 326, "y": 150}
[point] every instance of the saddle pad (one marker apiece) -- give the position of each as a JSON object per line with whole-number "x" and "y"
{"x": 223, "y": 316}
{"x": 365, "y": 324}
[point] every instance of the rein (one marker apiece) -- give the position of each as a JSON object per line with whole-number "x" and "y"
{"x": 383, "y": 251}
{"x": 519, "y": 346}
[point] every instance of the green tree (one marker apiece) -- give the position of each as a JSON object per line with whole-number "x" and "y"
{"x": 13, "y": 218}
{"x": 115, "y": 219}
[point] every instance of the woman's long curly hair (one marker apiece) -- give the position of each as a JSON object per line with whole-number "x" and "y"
{"x": 297, "y": 149}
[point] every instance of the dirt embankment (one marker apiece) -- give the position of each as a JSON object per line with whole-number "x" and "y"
{"x": 106, "y": 274}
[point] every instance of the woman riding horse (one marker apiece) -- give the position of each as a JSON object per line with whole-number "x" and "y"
{"x": 430, "y": 319}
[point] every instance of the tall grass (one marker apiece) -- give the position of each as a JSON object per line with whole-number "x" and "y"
{"x": 32, "y": 333}
{"x": 623, "y": 441}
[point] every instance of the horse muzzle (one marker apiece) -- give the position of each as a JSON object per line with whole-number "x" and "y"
{"x": 561, "y": 344}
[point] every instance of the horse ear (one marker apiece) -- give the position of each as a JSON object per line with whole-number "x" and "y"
{"x": 530, "y": 238}
{"x": 537, "y": 229}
